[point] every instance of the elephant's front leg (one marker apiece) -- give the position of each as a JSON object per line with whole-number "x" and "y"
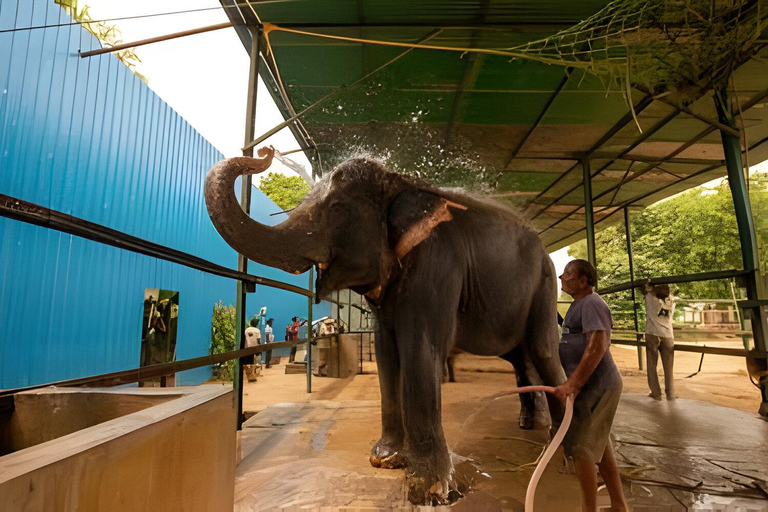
{"x": 430, "y": 471}
{"x": 387, "y": 453}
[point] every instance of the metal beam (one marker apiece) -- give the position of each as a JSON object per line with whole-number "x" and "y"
{"x": 157, "y": 370}
{"x": 747, "y": 105}
{"x": 245, "y": 203}
{"x": 738, "y": 185}
{"x": 703, "y": 349}
{"x": 167, "y": 37}
{"x": 636, "y": 175}
{"x": 628, "y": 237}
{"x": 627, "y": 118}
{"x": 677, "y": 279}
{"x": 543, "y": 112}
{"x": 31, "y": 213}
{"x": 643, "y": 136}
{"x": 442, "y": 24}
{"x": 686, "y": 110}
{"x": 637, "y": 198}
{"x": 309, "y": 333}
{"x": 589, "y": 218}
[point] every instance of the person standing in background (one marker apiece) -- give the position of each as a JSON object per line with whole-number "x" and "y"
{"x": 252, "y": 339}
{"x": 659, "y": 308}
{"x": 269, "y": 337}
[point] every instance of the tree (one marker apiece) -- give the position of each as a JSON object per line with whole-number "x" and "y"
{"x": 691, "y": 233}
{"x": 223, "y": 340}
{"x": 286, "y": 191}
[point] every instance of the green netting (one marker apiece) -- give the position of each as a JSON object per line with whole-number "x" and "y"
{"x": 682, "y": 47}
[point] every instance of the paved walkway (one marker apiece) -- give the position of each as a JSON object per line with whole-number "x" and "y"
{"x": 310, "y": 452}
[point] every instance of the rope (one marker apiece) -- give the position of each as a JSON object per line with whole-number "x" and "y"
{"x": 682, "y": 48}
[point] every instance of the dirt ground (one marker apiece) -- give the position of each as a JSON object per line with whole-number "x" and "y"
{"x": 723, "y": 380}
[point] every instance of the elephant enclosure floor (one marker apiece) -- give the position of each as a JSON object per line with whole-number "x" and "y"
{"x": 310, "y": 451}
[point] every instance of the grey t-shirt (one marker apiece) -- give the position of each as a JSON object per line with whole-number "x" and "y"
{"x": 587, "y": 315}
{"x": 596, "y": 403}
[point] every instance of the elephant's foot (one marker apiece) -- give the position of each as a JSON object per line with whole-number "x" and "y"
{"x": 430, "y": 484}
{"x": 525, "y": 421}
{"x": 534, "y": 414}
{"x": 387, "y": 455}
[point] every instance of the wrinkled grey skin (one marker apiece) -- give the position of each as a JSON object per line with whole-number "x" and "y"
{"x": 479, "y": 280}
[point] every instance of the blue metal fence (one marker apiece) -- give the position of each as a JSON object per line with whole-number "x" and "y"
{"x": 88, "y": 138}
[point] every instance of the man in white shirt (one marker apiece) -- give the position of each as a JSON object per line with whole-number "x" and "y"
{"x": 327, "y": 328}
{"x": 252, "y": 339}
{"x": 659, "y": 308}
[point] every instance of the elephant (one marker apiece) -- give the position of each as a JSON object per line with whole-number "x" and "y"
{"x": 439, "y": 269}
{"x": 533, "y": 410}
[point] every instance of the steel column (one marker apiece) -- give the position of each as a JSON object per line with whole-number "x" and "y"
{"x": 754, "y": 308}
{"x": 588, "y": 213}
{"x": 245, "y": 203}
{"x": 628, "y": 234}
{"x": 309, "y": 332}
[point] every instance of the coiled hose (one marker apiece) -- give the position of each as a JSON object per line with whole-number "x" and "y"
{"x": 553, "y": 446}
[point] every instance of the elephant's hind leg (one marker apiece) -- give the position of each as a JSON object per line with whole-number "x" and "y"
{"x": 387, "y": 453}
{"x": 543, "y": 344}
{"x": 533, "y": 406}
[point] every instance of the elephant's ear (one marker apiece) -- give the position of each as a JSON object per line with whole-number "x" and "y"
{"x": 411, "y": 217}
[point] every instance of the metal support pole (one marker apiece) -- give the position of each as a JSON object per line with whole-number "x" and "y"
{"x": 754, "y": 308}
{"x": 158, "y": 39}
{"x": 588, "y": 212}
{"x": 349, "y": 309}
{"x": 245, "y": 203}
{"x": 628, "y": 234}
{"x": 309, "y": 331}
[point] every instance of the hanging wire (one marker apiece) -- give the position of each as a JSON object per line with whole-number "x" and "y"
{"x": 141, "y": 16}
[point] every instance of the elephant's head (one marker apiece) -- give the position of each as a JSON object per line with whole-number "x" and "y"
{"x": 355, "y": 224}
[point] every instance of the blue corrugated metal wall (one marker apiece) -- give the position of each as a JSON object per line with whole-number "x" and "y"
{"x": 88, "y": 138}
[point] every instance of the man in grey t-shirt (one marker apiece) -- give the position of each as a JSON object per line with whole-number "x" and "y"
{"x": 594, "y": 382}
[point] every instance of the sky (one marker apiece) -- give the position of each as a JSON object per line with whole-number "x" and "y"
{"x": 203, "y": 77}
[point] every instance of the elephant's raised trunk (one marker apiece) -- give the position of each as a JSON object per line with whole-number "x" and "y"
{"x": 287, "y": 246}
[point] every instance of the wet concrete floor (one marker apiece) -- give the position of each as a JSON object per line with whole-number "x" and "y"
{"x": 311, "y": 453}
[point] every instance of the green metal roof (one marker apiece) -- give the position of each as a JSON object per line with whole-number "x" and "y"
{"x": 512, "y": 129}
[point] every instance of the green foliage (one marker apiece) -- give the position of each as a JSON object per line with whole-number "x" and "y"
{"x": 691, "y": 233}
{"x": 223, "y": 340}
{"x": 286, "y": 191}
{"x": 107, "y": 34}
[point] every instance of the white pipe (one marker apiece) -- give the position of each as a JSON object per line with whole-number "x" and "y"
{"x": 553, "y": 446}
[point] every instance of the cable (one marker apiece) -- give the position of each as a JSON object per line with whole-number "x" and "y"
{"x": 19, "y": 29}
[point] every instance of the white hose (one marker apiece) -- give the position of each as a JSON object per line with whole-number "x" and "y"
{"x": 553, "y": 446}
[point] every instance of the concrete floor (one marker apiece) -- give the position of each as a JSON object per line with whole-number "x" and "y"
{"x": 310, "y": 452}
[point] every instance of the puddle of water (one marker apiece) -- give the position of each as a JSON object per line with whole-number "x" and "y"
{"x": 320, "y": 439}
{"x": 710, "y": 503}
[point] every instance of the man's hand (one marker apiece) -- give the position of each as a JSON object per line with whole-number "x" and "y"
{"x": 566, "y": 389}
